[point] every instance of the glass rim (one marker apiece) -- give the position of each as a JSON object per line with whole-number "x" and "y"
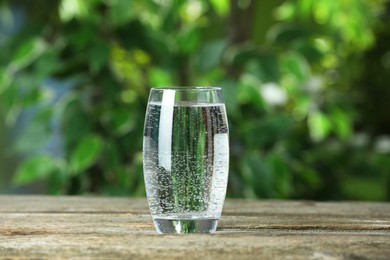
{"x": 186, "y": 88}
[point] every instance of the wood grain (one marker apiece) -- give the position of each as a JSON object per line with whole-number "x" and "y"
{"x": 47, "y": 227}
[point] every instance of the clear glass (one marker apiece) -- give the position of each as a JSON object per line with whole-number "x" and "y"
{"x": 186, "y": 158}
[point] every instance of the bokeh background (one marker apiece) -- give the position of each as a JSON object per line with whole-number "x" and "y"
{"x": 306, "y": 82}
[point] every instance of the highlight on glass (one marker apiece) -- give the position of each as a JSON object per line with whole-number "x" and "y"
{"x": 186, "y": 158}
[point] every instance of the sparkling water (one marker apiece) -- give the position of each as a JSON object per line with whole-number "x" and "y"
{"x": 186, "y": 160}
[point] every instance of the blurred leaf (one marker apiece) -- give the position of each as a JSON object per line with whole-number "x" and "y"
{"x": 70, "y": 9}
{"x": 248, "y": 91}
{"x": 191, "y": 11}
{"x": 32, "y": 138}
{"x": 34, "y": 96}
{"x": 296, "y": 65}
{"x": 75, "y": 122}
{"x": 220, "y": 6}
{"x": 230, "y": 91}
{"x": 86, "y": 153}
{"x": 282, "y": 175}
{"x": 319, "y": 125}
{"x": 134, "y": 61}
{"x": 302, "y": 107}
{"x": 160, "y": 77}
{"x": 305, "y": 7}
{"x": 262, "y": 64}
{"x": 341, "y": 122}
{"x": 33, "y": 169}
{"x": 188, "y": 39}
{"x": 122, "y": 120}
{"x": 285, "y": 11}
{"x": 365, "y": 189}
{"x": 6, "y": 18}
{"x": 141, "y": 57}
{"x": 239, "y": 55}
{"x": 47, "y": 64}
{"x": 308, "y": 50}
{"x": 267, "y": 130}
{"x": 265, "y": 66}
{"x": 99, "y": 53}
{"x": 5, "y": 80}
{"x": 257, "y": 175}
{"x": 307, "y": 176}
{"x": 11, "y": 105}
{"x": 171, "y": 16}
{"x": 28, "y": 52}
{"x": 57, "y": 181}
{"x": 311, "y": 177}
{"x": 210, "y": 55}
{"x": 159, "y": 45}
{"x": 285, "y": 33}
{"x": 111, "y": 160}
{"x": 121, "y": 11}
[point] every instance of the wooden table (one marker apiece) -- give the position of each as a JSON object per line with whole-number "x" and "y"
{"x": 47, "y": 227}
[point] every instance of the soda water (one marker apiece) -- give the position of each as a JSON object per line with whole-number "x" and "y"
{"x": 186, "y": 161}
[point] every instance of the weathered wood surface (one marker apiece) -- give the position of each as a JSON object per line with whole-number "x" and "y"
{"x": 43, "y": 227}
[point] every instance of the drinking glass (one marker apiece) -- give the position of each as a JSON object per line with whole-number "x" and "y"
{"x": 186, "y": 158}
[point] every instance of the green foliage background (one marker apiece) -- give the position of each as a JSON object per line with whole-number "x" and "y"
{"x": 306, "y": 85}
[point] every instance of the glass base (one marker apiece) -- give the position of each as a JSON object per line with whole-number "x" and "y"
{"x": 185, "y": 226}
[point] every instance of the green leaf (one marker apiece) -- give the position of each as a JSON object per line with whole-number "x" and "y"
{"x": 265, "y": 66}
{"x": 248, "y": 91}
{"x": 308, "y": 49}
{"x": 284, "y": 34}
{"x": 191, "y": 11}
{"x": 239, "y": 55}
{"x": 279, "y": 168}
{"x": 230, "y": 92}
{"x": 296, "y": 65}
{"x": 121, "y": 11}
{"x": 220, "y": 6}
{"x": 5, "y": 80}
{"x": 75, "y": 122}
{"x": 305, "y": 7}
{"x": 27, "y": 53}
{"x": 302, "y": 107}
{"x": 257, "y": 175}
{"x": 210, "y": 55}
{"x": 86, "y": 153}
{"x": 32, "y": 138}
{"x": 188, "y": 39}
{"x": 99, "y": 54}
{"x": 285, "y": 11}
{"x": 47, "y": 64}
{"x": 70, "y": 9}
{"x": 33, "y": 169}
{"x": 123, "y": 120}
{"x": 310, "y": 176}
{"x": 112, "y": 158}
{"x": 359, "y": 188}
{"x": 266, "y": 131}
{"x": 160, "y": 77}
{"x": 319, "y": 125}
{"x": 10, "y": 103}
{"x": 342, "y": 123}
{"x": 171, "y": 15}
